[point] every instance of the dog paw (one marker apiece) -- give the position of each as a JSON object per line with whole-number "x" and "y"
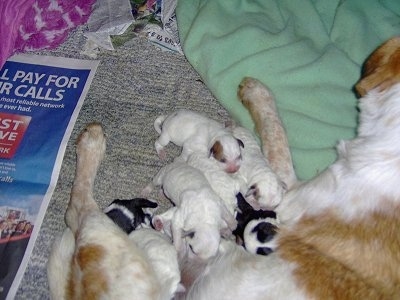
{"x": 157, "y": 223}
{"x": 91, "y": 141}
{"x": 162, "y": 154}
{"x": 277, "y": 195}
{"x": 266, "y": 195}
{"x": 251, "y": 90}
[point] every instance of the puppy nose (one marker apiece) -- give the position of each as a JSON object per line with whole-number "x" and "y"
{"x": 232, "y": 168}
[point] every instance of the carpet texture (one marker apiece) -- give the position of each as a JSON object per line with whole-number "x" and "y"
{"x": 131, "y": 87}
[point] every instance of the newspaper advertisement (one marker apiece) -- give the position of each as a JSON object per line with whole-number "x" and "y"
{"x": 40, "y": 98}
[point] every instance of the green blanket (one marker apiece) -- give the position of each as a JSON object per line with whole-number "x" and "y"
{"x": 309, "y": 52}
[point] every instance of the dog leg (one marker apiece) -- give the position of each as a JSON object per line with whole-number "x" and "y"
{"x": 90, "y": 149}
{"x": 157, "y": 181}
{"x": 60, "y": 257}
{"x": 160, "y": 144}
{"x": 261, "y": 104}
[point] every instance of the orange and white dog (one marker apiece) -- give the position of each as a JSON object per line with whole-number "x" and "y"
{"x": 339, "y": 236}
{"x": 94, "y": 258}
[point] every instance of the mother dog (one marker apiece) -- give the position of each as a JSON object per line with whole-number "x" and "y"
{"x": 340, "y": 238}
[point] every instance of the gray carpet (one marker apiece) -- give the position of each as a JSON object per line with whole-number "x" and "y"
{"x": 132, "y": 86}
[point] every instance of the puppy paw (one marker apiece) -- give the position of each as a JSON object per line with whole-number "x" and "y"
{"x": 162, "y": 154}
{"x": 252, "y": 91}
{"x": 157, "y": 223}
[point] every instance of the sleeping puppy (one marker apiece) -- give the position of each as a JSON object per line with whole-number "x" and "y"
{"x": 263, "y": 189}
{"x": 258, "y": 235}
{"x": 131, "y": 214}
{"x": 225, "y": 185}
{"x": 197, "y": 133}
{"x": 200, "y": 216}
{"x": 246, "y": 214}
{"x": 338, "y": 237}
{"x": 94, "y": 258}
{"x": 163, "y": 257}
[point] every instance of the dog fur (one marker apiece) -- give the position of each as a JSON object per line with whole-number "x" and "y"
{"x": 263, "y": 189}
{"x": 247, "y": 214}
{"x": 163, "y": 257}
{"x": 200, "y": 215}
{"x": 131, "y": 214}
{"x": 94, "y": 258}
{"x": 225, "y": 185}
{"x": 264, "y": 113}
{"x": 338, "y": 237}
{"x": 258, "y": 235}
{"x": 197, "y": 133}
{"x": 381, "y": 69}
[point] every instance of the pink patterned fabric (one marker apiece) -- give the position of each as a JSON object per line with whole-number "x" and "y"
{"x": 27, "y": 25}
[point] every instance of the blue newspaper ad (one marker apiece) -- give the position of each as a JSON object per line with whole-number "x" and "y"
{"x": 40, "y": 98}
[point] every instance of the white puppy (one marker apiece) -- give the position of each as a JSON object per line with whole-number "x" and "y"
{"x": 225, "y": 185}
{"x": 263, "y": 188}
{"x": 200, "y": 215}
{"x": 162, "y": 256}
{"x": 197, "y": 133}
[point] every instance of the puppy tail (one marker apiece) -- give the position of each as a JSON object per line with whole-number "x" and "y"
{"x": 58, "y": 264}
{"x": 158, "y": 123}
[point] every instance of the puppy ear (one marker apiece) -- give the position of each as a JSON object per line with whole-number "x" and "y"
{"x": 216, "y": 150}
{"x": 381, "y": 69}
{"x": 147, "y": 203}
{"x": 252, "y": 191}
{"x": 189, "y": 233}
{"x": 142, "y": 202}
{"x": 241, "y": 144}
{"x": 242, "y": 204}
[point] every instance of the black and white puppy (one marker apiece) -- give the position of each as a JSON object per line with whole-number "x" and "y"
{"x": 259, "y": 234}
{"x": 131, "y": 214}
{"x": 255, "y": 228}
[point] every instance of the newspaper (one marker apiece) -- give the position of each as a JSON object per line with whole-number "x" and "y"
{"x": 40, "y": 98}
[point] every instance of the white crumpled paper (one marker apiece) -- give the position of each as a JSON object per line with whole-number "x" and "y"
{"x": 112, "y": 24}
{"x": 109, "y": 17}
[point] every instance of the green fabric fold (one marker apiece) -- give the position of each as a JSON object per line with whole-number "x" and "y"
{"x": 309, "y": 53}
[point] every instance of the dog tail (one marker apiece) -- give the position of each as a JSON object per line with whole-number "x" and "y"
{"x": 58, "y": 264}
{"x": 158, "y": 123}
